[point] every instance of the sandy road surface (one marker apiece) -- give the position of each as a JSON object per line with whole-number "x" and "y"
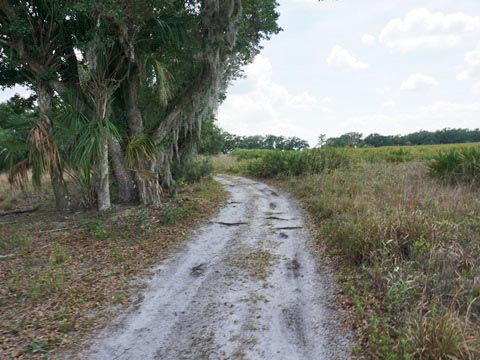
{"x": 244, "y": 287}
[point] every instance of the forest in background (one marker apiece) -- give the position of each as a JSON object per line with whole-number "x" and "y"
{"x": 214, "y": 140}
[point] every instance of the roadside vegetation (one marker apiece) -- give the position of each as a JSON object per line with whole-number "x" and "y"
{"x": 118, "y": 95}
{"x": 119, "y": 91}
{"x": 405, "y": 223}
{"x": 62, "y": 277}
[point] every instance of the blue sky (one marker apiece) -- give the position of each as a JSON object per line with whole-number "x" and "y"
{"x": 391, "y": 67}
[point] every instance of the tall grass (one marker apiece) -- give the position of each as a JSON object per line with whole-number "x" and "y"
{"x": 410, "y": 244}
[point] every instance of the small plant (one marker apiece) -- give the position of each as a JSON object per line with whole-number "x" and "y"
{"x": 59, "y": 254}
{"x": 96, "y": 228}
{"x": 172, "y": 213}
{"x": 118, "y": 256}
{"x": 38, "y": 347}
{"x": 20, "y": 242}
{"x": 441, "y": 335}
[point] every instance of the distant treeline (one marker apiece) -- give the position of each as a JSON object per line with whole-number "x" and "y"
{"x": 445, "y": 136}
{"x": 214, "y": 140}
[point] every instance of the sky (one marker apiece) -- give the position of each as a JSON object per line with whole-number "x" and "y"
{"x": 370, "y": 66}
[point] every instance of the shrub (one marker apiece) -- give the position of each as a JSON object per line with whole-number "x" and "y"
{"x": 194, "y": 170}
{"x": 457, "y": 165}
{"x": 269, "y": 164}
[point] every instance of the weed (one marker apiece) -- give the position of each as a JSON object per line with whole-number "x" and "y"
{"x": 96, "y": 228}
{"x": 172, "y": 213}
{"x": 39, "y": 347}
{"x": 441, "y": 334}
{"x": 21, "y": 243}
{"x": 59, "y": 255}
{"x": 118, "y": 256}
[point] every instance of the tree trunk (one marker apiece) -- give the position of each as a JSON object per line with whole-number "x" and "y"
{"x": 126, "y": 185}
{"x": 148, "y": 186}
{"x": 62, "y": 199}
{"x": 135, "y": 119}
{"x": 103, "y": 185}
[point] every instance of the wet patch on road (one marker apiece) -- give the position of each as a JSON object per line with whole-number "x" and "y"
{"x": 293, "y": 266}
{"x": 295, "y": 324}
{"x": 198, "y": 270}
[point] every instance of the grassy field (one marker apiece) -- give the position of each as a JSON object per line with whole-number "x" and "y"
{"x": 407, "y": 239}
{"x": 63, "y": 276}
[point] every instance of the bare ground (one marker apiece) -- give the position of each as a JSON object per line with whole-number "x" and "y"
{"x": 244, "y": 287}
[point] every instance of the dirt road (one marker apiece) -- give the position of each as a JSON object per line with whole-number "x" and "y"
{"x": 244, "y": 287}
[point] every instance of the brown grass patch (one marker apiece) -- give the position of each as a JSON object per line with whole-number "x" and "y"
{"x": 411, "y": 257}
{"x": 62, "y": 276}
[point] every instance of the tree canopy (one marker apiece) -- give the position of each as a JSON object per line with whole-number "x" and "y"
{"x": 123, "y": 88}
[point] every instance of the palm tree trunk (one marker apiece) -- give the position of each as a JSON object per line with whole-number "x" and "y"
{"x": 135, "y": 119}
{"x": 103, "y": 185}
{"x": 62, "y": 199}
{"x": 126, "y": 185}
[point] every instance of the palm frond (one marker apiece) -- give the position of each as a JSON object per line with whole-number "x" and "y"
{"x": 91, "y": 142}
{"x": 43, "y": 152}
{"x": 140, "y": 148}
{"x": 18, "y": 175}
{"x": 162, "y": 79}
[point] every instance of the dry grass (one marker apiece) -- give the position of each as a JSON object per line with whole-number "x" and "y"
{"x": 408, "y": 249}
{"x": 56, "y": 286}
{"x": 412, "y": 245}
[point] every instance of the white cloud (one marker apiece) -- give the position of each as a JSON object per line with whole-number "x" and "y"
{"x": 388, "y": 104}
{"x": 260, "y": 71}
{"x": 266, "y": 107}
{"x": 476, "y": 88}
{"x": 419, "y": 82}
{"x": 437, "y": 115}
{"x": 422, "y": 28}
{"x": 472, "y": 60}
{"x": 326, "y": 100}
{"x": 368, "y": 39}
{"x": 341, "y": 58}
{"x": 463, "y": 76}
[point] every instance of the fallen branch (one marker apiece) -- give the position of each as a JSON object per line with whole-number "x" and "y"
{"x": 60, "y": 229}
{"x": 28, "y": 209}
{"x": 7, "y": 222}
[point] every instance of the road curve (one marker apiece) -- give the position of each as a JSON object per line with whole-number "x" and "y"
{"x": 245, "y": 286}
